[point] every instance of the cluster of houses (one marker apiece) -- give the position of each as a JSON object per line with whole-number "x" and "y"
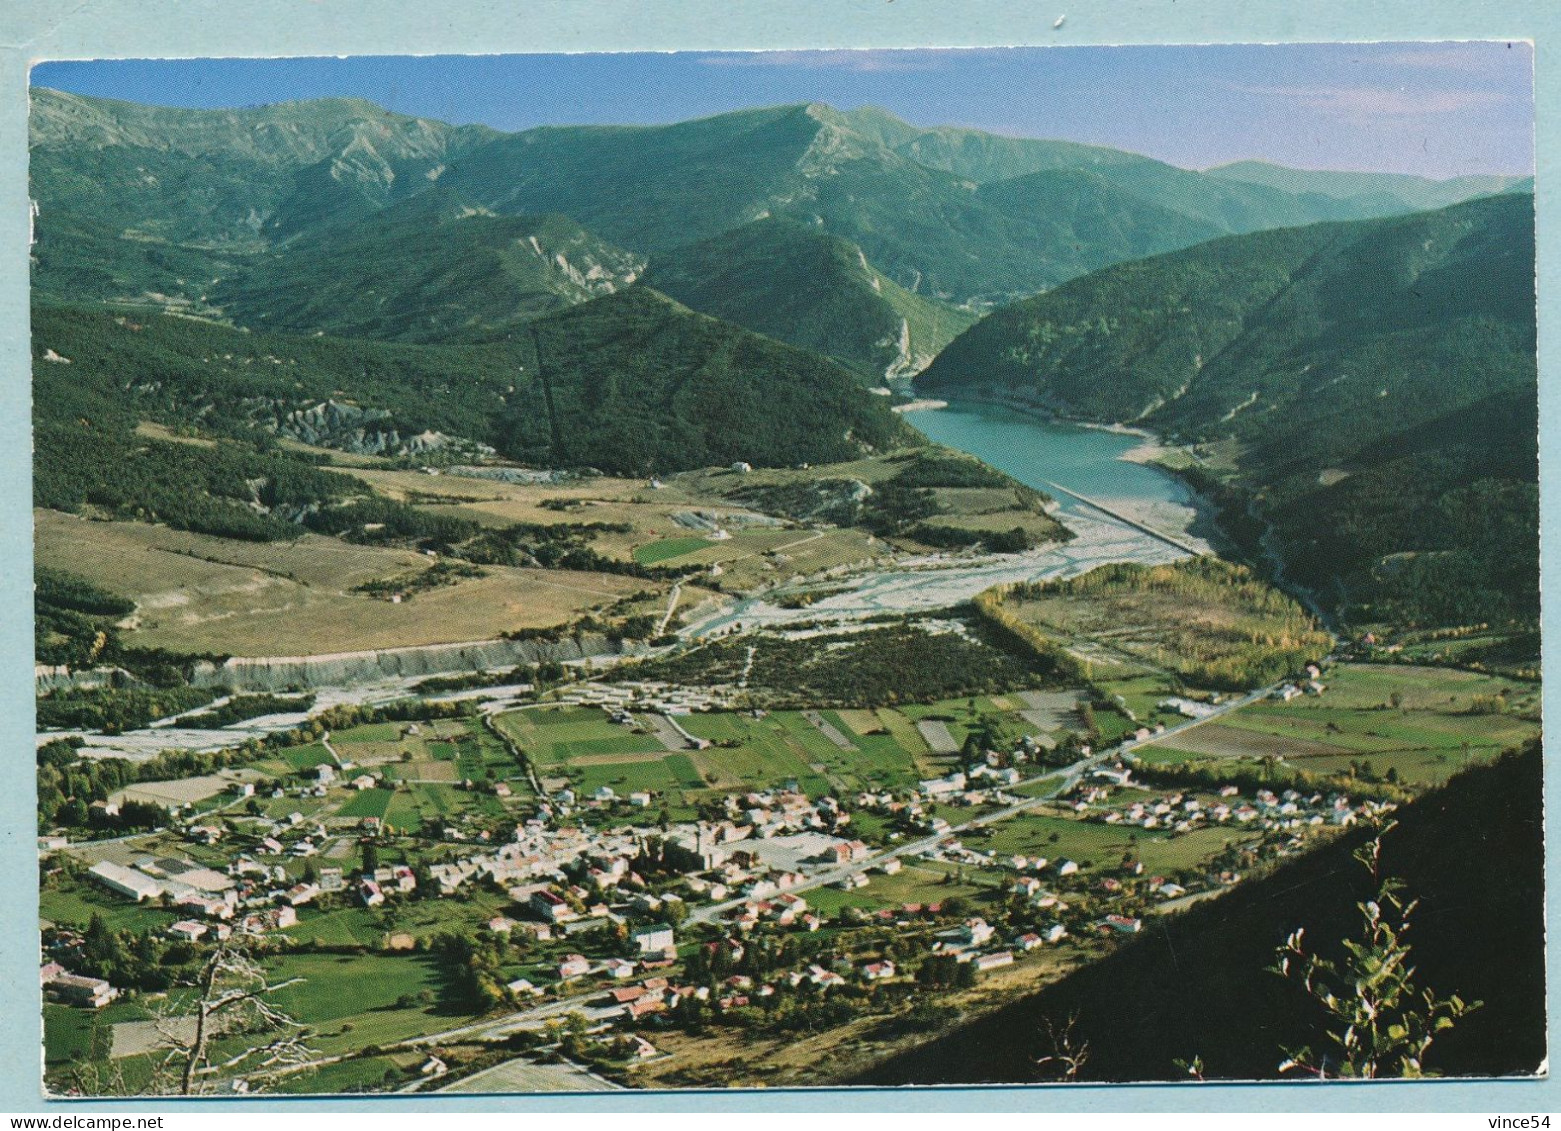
{"x": 249, "y": 899}
{"x": 1180, "y": 812}
{"x": 974, "y": 941}
{"x": 982, "y": 785}
{"x": 1311, "y": 685}
{"x": 970, "y": 787}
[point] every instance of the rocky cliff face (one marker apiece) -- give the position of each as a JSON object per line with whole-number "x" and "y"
{"x": 278, "y": 673}
{"x": 58, "y": 677}
{"x": 349, "y": 428}
{"x": 346, "y": 669}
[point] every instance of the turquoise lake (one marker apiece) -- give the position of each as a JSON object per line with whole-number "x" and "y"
{"x": 1086, "y": 460}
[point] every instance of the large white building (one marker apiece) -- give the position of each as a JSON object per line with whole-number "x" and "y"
{"x": 126, "y": 881}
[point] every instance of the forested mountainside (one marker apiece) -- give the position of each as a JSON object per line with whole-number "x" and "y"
{"x": 630, "y": 383}
{"x": 428, "y": 269}
{"x": 1376, "y": 378}
{"x": 798, "y": 284}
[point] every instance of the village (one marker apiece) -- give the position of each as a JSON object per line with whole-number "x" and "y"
{"x": 603, "y": 906}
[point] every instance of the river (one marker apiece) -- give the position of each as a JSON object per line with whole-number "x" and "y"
{"x": 1038, "y": 453}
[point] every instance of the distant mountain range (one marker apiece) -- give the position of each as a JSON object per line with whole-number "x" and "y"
{"x": 1375, "y": 381}
{"x": 956, "y": 216}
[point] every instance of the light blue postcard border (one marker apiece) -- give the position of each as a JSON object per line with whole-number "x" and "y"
{"x": 37, "y": 30}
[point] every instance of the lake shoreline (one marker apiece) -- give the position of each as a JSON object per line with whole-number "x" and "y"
{"x": 1153, "y": 449}
{"x": 1179, "y": 510}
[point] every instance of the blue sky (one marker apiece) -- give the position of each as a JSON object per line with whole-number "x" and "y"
{"x": 1436, "y": 109}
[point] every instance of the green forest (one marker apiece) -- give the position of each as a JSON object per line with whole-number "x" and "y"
{"x": 1376, "y": 381}
{"x": 630, "y": 384}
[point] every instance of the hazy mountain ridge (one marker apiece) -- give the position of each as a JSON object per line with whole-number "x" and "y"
{"x": 230, "y": 177}
{"x": 1419, "y": 193}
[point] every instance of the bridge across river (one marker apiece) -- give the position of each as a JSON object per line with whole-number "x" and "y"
{"x": 1158, "y": 535}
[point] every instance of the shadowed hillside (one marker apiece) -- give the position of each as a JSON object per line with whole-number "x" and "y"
{"x": 1195, "y": 984}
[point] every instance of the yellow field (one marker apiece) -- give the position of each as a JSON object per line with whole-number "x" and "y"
{"x": 408, "y": 486}
{"x": 428, "y": 771}
{"x": 268, "y": 599}
{"x": 860, "y": 722}
{"x": 626, "y": 501}
{"x": 649, "y": 522}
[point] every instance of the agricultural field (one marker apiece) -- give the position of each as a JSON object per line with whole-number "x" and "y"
{"x": 767, "y": 555}
{"x": 353, "y": 925}
{"x": 843, "y": 752}
{"x": 1141, "y": 695}
{"x": 493, "y": 502}
{"x": 437, "y": 750}
{"x": 350, "y": 1001}
{"x": 920, "y": 881}
{"x": 652, "y": 538}
{"x": 196, "y": 593}
{"x": 413, "y": 804}
{"x": 1423, "y": 723}
{"x": 1005, "y": 717}
{"x": 359, "y": 1074}
{"x": 582, "y": 746}
{"x": 302, "y": 758}
{"x": 1094, "y": 845}
{"x": 654, "y": 553}
{"x": 368, "y": 803}
{"x": 554, "y": 736}
{"x": 74, "y": 1035}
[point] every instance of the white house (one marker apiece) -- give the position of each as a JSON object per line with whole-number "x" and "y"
{"x": 650, "y": 939}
